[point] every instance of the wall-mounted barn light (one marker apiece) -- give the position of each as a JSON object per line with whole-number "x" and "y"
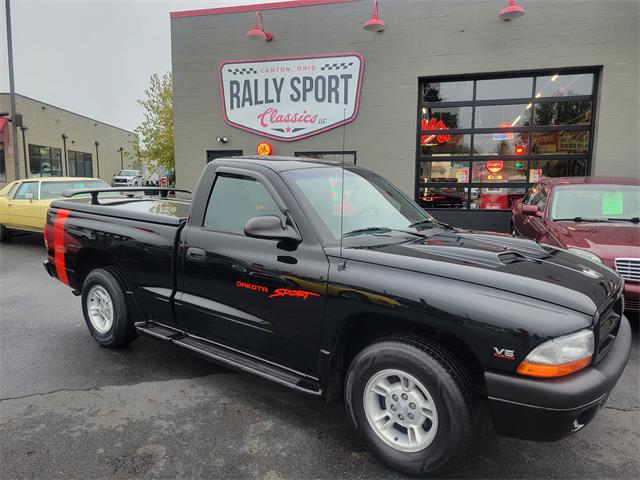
{"x": 374, "y": 24}
{"x": 257, "y": 31}
{"x": 511, "y": 11}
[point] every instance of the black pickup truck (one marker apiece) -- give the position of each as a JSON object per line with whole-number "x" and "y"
{"x": 331, "y": 281}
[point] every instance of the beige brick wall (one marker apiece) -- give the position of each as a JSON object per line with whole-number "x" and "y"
{"x": 423, "y": 38}
{"x": 47, "y": 123}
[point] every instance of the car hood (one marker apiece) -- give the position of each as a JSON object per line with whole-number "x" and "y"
{"x": 120, "y": 177}
{"x": 607, "y": 240}
{"x": 499, "y": 261}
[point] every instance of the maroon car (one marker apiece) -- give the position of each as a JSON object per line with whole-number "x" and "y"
{"x": 594, "y": 217}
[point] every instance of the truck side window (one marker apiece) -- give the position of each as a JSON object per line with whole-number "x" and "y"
{"x": 234, "y": 200}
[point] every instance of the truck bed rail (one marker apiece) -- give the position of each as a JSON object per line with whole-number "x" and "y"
{"x": 94, "y": 192}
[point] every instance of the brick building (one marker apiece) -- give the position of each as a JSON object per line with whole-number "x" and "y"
{"x": 460, "y": 109}
{"x": 57, "y": 142}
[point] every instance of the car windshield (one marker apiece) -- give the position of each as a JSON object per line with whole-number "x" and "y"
{"x": 596, "y": 202}
{"x": 371, "y": 204}
{"x": 54, "y": 189}
{"x": 127, "y": 173}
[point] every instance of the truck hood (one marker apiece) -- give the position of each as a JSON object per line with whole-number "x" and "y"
{"x": 120, "y": 177}
{"x": 502, "y": 262}
{"x": 607, "y": 240}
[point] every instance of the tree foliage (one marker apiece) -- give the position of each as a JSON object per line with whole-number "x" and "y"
{"x": 156, "y": 130}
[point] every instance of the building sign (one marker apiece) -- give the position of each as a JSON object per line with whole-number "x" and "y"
{"x": 264, "y": 149}
{"x": 494, "y": 166}
{"x": 434, "y": 124}
{"x": 291, "y": 98}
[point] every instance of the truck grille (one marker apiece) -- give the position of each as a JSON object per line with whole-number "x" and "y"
{"x": 629, "y": 268}
{"x": 607, "y": 325}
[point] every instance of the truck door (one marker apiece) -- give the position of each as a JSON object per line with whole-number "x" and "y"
{"x": 263, "y": 296}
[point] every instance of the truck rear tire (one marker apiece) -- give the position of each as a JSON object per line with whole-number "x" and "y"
{"x": 412, "y": 402}
{"x": 5, "y": 234}
{"x": 105, "y": 309}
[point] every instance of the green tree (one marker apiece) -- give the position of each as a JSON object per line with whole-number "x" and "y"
{"x": 156, "y": 130}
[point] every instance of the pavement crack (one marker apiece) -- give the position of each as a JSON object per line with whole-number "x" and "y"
{"x": 30, "y": 395}
{"x": 632, "y": 409}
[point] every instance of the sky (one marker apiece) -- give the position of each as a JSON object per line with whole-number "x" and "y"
{"x": 93, "y": 57}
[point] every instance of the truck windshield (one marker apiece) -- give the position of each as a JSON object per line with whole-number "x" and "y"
{"x": 371, "y": 204}
{"x": 600, "y": 203}
{"x": 127, "y": 173}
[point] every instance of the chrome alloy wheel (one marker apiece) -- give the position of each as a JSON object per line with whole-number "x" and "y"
{"x": 100, "y": 309}
{"x": 400, "y": 410}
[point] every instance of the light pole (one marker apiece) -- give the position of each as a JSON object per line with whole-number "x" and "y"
{"x": 121, "y": 158}
{"x": 12, "y": 92}
{"x": 64, "y": 146}
{"x": 24, "y": 150}
{"x": 97, "y": 158}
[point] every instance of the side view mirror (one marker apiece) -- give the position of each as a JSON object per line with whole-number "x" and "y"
{"x": 531, "y": 210}
{"x": 28, "y": 196}
{"x": 270, "y": 227}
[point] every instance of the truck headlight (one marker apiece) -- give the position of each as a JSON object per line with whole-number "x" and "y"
{"x": 584, "y": 254}
{"x": 560, "y": 356}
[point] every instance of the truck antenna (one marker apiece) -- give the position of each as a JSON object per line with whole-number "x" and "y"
{"x": 343, "y": 262}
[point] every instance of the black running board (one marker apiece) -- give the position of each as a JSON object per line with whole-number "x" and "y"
{"x": 231, "y": 357}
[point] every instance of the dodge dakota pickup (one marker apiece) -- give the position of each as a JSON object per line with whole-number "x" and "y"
{"x": 329, "y": 280}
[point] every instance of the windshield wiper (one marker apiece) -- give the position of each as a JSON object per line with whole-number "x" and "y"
{"x": 430, "y": 221}
{"x": 632, "y": 219}
{"x": 361, "y": 231}
{"x": 374, "y": 230}
{"x": 581, "y": 219}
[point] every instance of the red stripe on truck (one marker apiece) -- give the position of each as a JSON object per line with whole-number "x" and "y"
{"x": 58, "y": 245}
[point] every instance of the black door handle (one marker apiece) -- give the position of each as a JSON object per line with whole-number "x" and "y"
{"x": 196, "y": 254}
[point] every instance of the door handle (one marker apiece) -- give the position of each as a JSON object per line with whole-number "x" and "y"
{"x": 196, "y": 254}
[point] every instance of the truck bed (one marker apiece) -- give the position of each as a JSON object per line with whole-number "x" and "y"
{"x": 166, "y": 211}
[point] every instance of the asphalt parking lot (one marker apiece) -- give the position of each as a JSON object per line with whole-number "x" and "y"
{"x": 71, "y": 409}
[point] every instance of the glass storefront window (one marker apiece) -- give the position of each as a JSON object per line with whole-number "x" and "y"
{"x": 502, "y": 88}
{"x": 564, "y": 85}
{"x": 45, "y": 161}
{"x": 503, "y": 116}
{"x": 562, "y": 142}
{"x": 541, "y": 169}
{"x": 504, "y": 134}
{"x": 453, "y": 117}
{"x": 448, "y": 91}
{"x": 449, "y": 172}
{"x": 80, "y": 164}
{"x": 445, "y": 144}
{"x": 3, "y": 172}
{"x": 495, "y": 198}
{"x": 443, "y": 197}
{"x": 563, "y": 113}
{"x": 499, "y": 171}
{"x": 500, "y": 143}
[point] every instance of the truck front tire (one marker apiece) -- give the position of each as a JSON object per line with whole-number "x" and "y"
{"x": 412, "y": 402}
{"x": 105, "y": 309}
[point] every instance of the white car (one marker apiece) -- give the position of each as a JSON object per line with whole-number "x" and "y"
{"x": 127, "y": 178}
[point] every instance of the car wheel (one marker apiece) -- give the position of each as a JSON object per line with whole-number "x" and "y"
{"x": 105, "y": 309}
{"x": 413, "y": 404}
{"x": 5, "y": 234}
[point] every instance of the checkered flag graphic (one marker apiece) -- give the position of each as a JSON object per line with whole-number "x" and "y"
{"x": 242, "y": 71}
{"x": 336, "y": 66}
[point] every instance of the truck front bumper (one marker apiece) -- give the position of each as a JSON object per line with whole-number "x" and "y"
{"x": 548, "y": 410}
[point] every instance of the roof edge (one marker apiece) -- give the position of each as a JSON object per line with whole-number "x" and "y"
{"x": 254, "y": 7}
{"x": 71, "y": 112}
